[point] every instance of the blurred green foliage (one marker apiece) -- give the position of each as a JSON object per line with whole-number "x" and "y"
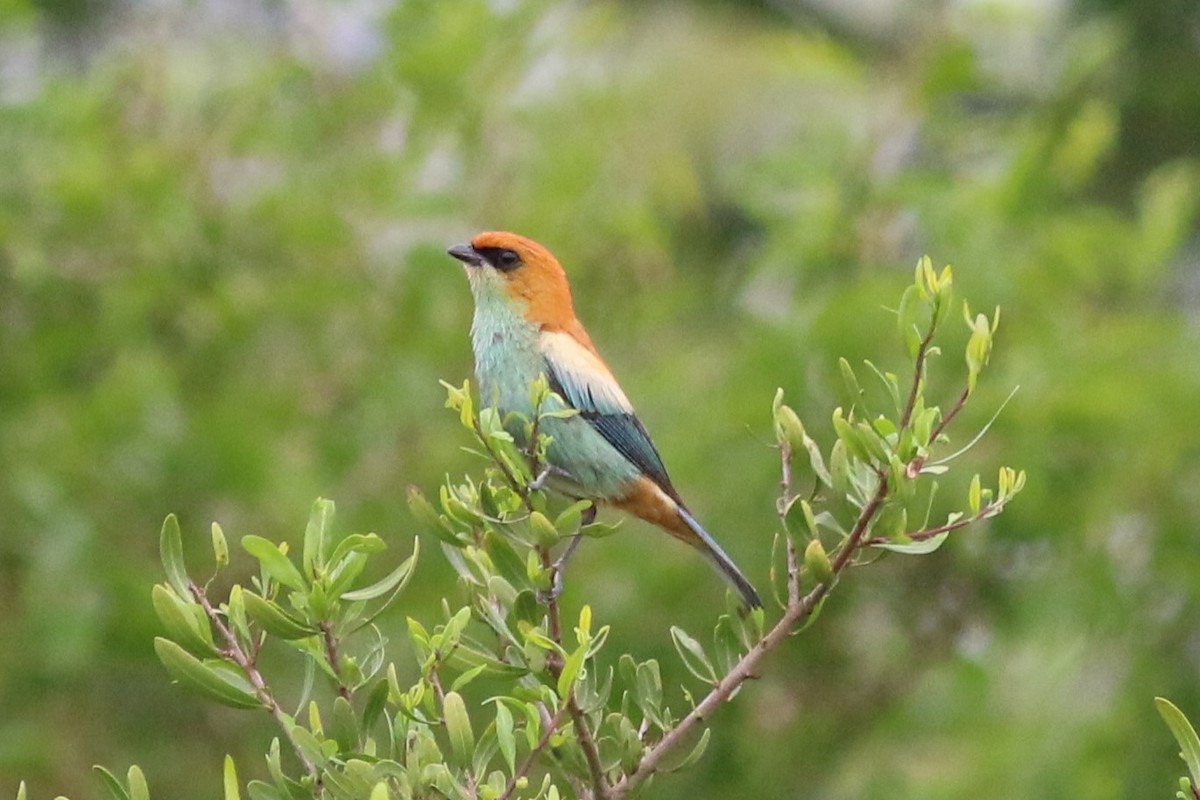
{"x": 223, "y": 292}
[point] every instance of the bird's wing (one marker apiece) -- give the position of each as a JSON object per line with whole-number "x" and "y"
{"x": 585, "y": 382}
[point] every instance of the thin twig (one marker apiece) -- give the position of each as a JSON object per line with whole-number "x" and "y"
{"x": 331, "y": 655}
{"x": 785, "y": 479}
{"x": 855, "y": 539}
{"x": 918, "y": 374}
{"x": 941, "y": 426}
{"x": 793, "y": 568}
{"x": 248, "y": 667}
{"x": 990, "y": 510}
{"x": 583, "y": 733}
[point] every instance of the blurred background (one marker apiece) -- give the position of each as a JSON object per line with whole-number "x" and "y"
{"x": 223, "y": 292}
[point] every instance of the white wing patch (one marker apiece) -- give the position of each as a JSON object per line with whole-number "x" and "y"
{"x": 584, "y": 375}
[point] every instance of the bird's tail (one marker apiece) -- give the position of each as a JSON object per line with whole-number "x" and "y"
{"x": 718, "y": 558}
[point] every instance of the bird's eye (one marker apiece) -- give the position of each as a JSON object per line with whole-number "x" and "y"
{"x": 507, "y": 259}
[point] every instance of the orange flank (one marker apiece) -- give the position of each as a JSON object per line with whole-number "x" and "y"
{"x": 647, "y": 501}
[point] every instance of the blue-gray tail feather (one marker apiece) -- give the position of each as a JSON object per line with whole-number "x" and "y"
{"x": 723, "y": 563}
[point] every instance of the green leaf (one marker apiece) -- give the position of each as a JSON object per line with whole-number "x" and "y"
{"x": 343, "y": 726}
{"x": 277, "y": 565}
{"x": 170, "y": 548}
{"x": 567, "y": 522}
{"x": 396, "y": 579}
{"x": 274, "y": 620}
{"x": 908, "y": 318}
{"x": 839, "y": 468}
{"x": 504, "y": 736}
{"x": 369, "y": 544}
{"x": 259, "y": 790}
{"x": 726, "y": 644}
{"x": 220, "y": 546}
{"x": 232, "y": 792}
{"x": 975, "y": 439}
{"x": 438, "y": 525}
{"x": 469, "y": 675}
{"x": 693, "y": 655}
{"x": 376, "y": 702}
{"x": 817, "y": 562}
{"x": 110, "y": 782}
{"x": 692, "y": 756}
{"x": 854, "y": 392}
{"x": 890, "y": 384}
{"x": 851, "y": 437}
{"x": 599, "y": 530}
{"x": 22, "y": 794}
{"x": 201, "y": 677}
{"x": 236, "y": 613}
{"x": 649, "y": 691}
{"x": 458, "y": 727}
{"x": 1184, "y": 733}
{"x": 316, "y": 535}
{"x": 275, "y": 767}
{"x": 307, "y": 743}
{"x": 572, "y": 665}
{"x": 789, "y": 430}
{"x": 182, "y": 622}
{"x": 138, "y": 790}
{"x": 380, "y": 792}
{"x": 918, "y": 547}
{"x": 505, "y": 560}
{"x": 544, "y": 532}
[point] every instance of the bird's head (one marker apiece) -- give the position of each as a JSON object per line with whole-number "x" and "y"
{"x": 506, "y": 266}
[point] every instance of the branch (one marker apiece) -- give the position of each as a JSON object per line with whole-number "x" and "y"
{"x": 990, "y": 510}
{"x": 798, "y": 609}
{"x": 745, "y": 669}
{"x": 941, "y": 426}
{"x": 247, "y": 665}
{"x": 582, "y": 732}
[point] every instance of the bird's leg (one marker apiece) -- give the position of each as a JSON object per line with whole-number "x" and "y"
{"x": 540, "y": 481}
{"x": 587, "y": 517}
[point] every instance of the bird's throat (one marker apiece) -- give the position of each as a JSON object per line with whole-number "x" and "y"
{"x": 507, "y": 357}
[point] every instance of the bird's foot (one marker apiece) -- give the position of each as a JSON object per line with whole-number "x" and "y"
{"x": 560, "y": 565}
{"x": 538, "y": 483}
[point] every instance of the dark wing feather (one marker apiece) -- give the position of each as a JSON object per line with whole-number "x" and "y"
{"x": 622, "y": 429}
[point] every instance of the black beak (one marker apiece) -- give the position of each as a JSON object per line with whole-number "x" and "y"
{"x": 466, "y": 254}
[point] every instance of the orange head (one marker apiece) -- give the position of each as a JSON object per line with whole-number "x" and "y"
{"x": 520, "y": 269}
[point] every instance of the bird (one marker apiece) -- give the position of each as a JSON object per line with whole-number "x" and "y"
{"x": 524, "y": 327}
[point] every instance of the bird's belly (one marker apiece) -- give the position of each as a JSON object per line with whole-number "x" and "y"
{"x": 589, "y": 465}
{"x": 593, "y": 467}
